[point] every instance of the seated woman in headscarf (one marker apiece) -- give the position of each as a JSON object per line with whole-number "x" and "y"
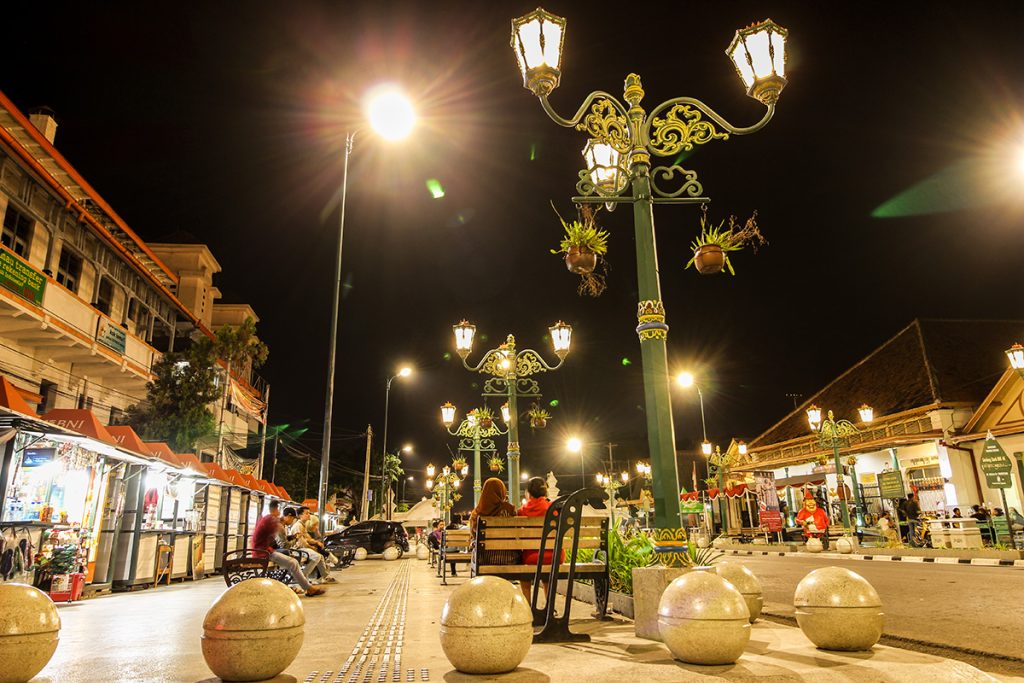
{"x": 493, "y": 503}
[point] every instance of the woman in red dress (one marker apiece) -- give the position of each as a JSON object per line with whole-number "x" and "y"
{"x": 536, "y": 506}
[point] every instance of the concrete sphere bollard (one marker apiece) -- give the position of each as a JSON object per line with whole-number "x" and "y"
{"x": 814, "y": 545}
{"x": 253, "y": 631}
{"x": 743, "y": 580}
{"x": 392, "y": 553}
{"x": 703, "y": 619}
{"x": 844, "y": 545}
{"x": 702, "y": 541}
{"x": 29, "y": 628}
{"x": 719, "y": 543}
{"x": 360, "y": 553}
{"x": 486, "y": 626}
{"x": 422, "y": 552}
{"x": 837, "y": 609}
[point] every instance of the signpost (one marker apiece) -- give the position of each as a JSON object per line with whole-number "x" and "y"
{"x": 890, "y": 485}
{"x": 998, "y": 469}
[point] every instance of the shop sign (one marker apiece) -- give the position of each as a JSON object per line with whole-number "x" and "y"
{"x": 890, "y": 485}
{"x": 996, "y": 465}
{"x": 21, "y": 278}
{"x": 34, "y": 457}
{"x": 110, "y": 335}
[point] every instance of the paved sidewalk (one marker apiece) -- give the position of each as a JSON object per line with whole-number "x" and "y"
{"x": 153, "y": 636}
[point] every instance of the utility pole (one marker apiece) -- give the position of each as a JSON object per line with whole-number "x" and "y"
{"x": 273, "y": 472}
{"x": 263, "y": 432}
{"x": 364, "y": 505}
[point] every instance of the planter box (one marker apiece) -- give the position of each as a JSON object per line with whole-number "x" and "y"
{"x": 620, "y": 603}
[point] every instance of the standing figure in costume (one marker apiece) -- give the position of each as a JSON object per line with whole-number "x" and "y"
{"x": 813, "y": 519}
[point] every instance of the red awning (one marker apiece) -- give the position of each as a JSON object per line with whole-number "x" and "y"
{"x": 730, "y": 491}
{"x": 282, "y": 494}
{"x": 692, "y": 495}
{"x": 215, "y": 471}
{"x": 11, "y": 398}
{"x": 81, "y": 421}
{"x": 162, "y": 452}
{"x": 235, "y": 477}
{"x": 310, "y": 503}
{"x": 190, "y": 461}
{"x": 251, "y": 482}
{"x": 127, "y": 439}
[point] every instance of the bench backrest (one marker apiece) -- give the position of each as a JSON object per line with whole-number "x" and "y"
{"x": 457, "y": 538}
{"x": 524, "y": 533}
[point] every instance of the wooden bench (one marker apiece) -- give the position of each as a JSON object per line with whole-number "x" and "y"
{"x": 562, "y": 530}
{"x": 455, "y": 547}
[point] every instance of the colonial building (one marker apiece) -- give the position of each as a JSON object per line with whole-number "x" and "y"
{"x": 930, "y": 392}
{"x": 86, "y": 306}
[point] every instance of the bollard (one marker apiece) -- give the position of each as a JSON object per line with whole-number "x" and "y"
{"x": 813, "y": 545}
{"x": 29, "y": 628}
{"x": 253, "y": 631}
{"x": 422, "y": 552}
{"x": 392, "y": 553}
{"x": 837, "y": 609}
{"x": 743, "y": 580}
{"x": 360, "y": 553}
{"x": 486, "y": 626}
{"x": 703, "y": 619}
{"x": 844, "y": 545}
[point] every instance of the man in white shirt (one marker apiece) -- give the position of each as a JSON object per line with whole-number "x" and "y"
{"x": 297, "y": 537}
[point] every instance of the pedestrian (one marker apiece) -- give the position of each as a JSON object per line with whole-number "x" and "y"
{"x": 536, "y": 506}
{"x": 493, "y": 503}
{"x": 452, "y": 525}
{"x": 912, "y": 511}
{"x": 956, "y": 513}
{"x": 264, "y": 541}
{"x": 979, "y": 513}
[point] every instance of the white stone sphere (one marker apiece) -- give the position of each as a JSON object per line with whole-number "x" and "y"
{"x": 837, "y": 609}
{"x": 743, "y": 580}
{"x": 253, "y": 631}
{"x": 29, "y": 628}
{"x": 360, "y": 553}
{"x": 486, "y": 626}
{"x": 844, "y": 545}
{"x": 392, "y": 553}
{"x": 702, "y": 541}
{"x": 703, "y": 619}
{"x": 422, "y": 552}
{"x": 719, "y": 543}
{"x": 814, "y": 545}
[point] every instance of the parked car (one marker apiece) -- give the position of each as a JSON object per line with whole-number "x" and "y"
{"x": 374, "y": 536}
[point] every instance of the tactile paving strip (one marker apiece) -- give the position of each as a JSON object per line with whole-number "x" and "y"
{"x": 377, "y": 655}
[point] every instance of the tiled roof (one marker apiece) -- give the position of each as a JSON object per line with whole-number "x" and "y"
{"x": 927, "y": 362}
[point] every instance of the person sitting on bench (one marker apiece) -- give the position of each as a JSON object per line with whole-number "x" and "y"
{"x": 536, "y": 506}
{"x": 267, "y": 528}
{"x": 493, "y": 503}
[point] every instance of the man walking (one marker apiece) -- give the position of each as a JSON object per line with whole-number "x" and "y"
{"x": 267, "y": 528}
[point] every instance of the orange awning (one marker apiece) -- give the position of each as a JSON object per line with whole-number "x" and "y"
{"x": 81, "y": 421}
{"x": 234, "y": 477}
{"x": 215, "y": 471}
{"x": 310, "y": 503}
{"x": 11, "y": 399}
{"x": 190, "y": 461}
{"x": 163, "y": 452}
{"x": 127, "y": 439}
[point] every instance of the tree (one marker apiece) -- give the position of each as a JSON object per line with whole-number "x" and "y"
{"x": 177, "y": 403}
{"x": 392, "y": 471}
{"x": 240, "y": 349}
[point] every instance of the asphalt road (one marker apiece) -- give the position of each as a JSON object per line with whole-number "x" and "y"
{"x": 974, "y": 609}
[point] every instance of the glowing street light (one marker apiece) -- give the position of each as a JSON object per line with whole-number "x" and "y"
{"x": 867, "y": 413}
{"x": 464, "y": 333}
{"x": 759, "y": 54}
{"x": 448, "y": 414}
{"x": 1016, "y": 356}
{"x": 430, "y": 471}
{"x": 814, "y": 417}
{"x": 390, "y": 112}
{"x": 705, "y": 447}
{"x": 537, "y": 41}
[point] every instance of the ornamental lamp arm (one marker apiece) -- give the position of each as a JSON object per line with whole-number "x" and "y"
{"x": 710, "y": 113}
{"x": 570, "y": 123}
{"x": 527, "y": 357}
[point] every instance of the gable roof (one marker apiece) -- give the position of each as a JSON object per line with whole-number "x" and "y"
{"x": 928, "y": 362}
{"x": 82, "y": 421}
{"x": 10, "y": 398}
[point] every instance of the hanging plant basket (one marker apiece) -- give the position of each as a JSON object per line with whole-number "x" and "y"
{"x": 486, "y": 422}
{"x": 538, "y": 422}
{"x": 580, "y": 261}
{"x": 495, "y": 467}
{"x": 709, "y": 259}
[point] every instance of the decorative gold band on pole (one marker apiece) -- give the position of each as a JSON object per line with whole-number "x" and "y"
{"x": 651, "y": 318}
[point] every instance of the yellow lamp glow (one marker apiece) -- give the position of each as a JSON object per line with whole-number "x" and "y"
{"x": 390, "y": 112}
{"x": 867, "y": 413}
{"x": 405, "y": 371}
{"x": 742, "y": 447}
{"x": 448, "y": 414}
{"x": 1016, "y": 355}
{"x": 685, "y": 379}
{"x": 537, "y": 41}
{"x": 705, "y": 447}
{"x": 814, "y": 417}
{"x": 602, "y": 161}
{"x": 574, "y": 445}
{"x": 506, "y": 414}
{"x": 624, "y": 476}
{"x": 430, "y": 471}
{"x": 759, "y": 54}
{"x": 430, "y": 484}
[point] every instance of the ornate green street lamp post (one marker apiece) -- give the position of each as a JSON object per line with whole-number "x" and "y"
{"x": 510, "y": 372}
{"x": 476, "y": 436}
{"x": 831, "y": 433}
{"x": 444, "y": 489}
{"x": 623, "y": 139}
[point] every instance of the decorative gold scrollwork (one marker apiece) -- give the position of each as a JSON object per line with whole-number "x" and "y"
{"x": 682, "y": 127}
{"x": 528, "y": 363}
{"x": 606, "y": 123}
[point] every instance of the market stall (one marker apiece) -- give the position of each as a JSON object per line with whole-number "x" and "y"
{"x": 216, "y": 496}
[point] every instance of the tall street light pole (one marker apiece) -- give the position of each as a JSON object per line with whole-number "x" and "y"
{"x": 391, "y": 115}
{"x": 403, "y": 372}
{"x": 510, "y": 372}
{"x": 831, "y": 433}
{"x": 623, "y": 138}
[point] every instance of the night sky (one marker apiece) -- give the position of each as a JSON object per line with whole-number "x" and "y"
{"x": 886, "y": 186}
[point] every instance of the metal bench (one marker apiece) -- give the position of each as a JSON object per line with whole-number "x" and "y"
{"x": 562, "y": 526}
{"x": 239, "y": 565}
{"x": 455, "y": 544}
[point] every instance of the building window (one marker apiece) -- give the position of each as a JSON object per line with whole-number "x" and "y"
{"x": 104, "y": 296}
{"x": 69, "y": 270}
{"x": 17, "y": 231}
{"x": 140, "y": 315}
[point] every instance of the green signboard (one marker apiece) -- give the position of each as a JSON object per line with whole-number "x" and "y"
{"x": 110, "y": 335}
{"x": 21, "y": 278}
{"x": 890, "y": 485}
{"x": 996, "y": 465}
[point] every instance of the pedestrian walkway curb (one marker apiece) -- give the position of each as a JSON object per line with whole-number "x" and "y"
{"x": 976, "y": 561}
